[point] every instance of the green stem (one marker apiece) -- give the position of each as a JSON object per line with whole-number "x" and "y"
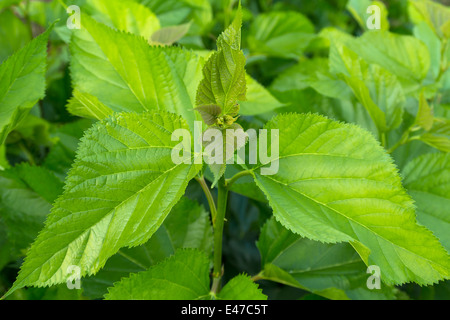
{"x": 209, "y": 197}
{"x": 229, "y": 182}
{"x": 403, "y": 140}
{"x": 218, "y": 234}
{"x": 27, "y": 153}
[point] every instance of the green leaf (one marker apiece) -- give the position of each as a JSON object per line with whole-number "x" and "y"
{"x": 439, "y": 135}
{"x": 86, "y": 105}
{"x": 376, "y": 89}
{"x": 259, "y": 100}
{"x": 7, "y": 3}
{"x": 241, "y": 287}
{"x": 170, "y": 35}
{"x": 187, "y": 226}
{"x": 334, "y": 271}
{"x": 224, "y": 74}
{"x": 183, "y": 276}
{"x": 25, "y": 202}
{"x": 284, "y": 34}
{"x": 22, "y": 83}
{"x": 404, "y": 56}
{"x": 358, "y": 9}
{"x": 433, "y": 13}
{"x": 336, "y": 184}
{"x": 425, "y": 115}
{"x": 176, "y": 12}
{"x": 423, "y": 32}
{"x": 427, "y": 179}
{"x": 124, "y": 15}
{"x": 118, "y": 193}
{"x": 60, "y": 158}
{"x": 126, "y": 74}
{"x": 14, "y": 35}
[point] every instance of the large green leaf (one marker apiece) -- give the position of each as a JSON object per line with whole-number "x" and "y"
{"x": 283, "y": 34}
{"x": 118, "y": 193}
{"x": 183, "y": 276}
{"x": 427, "y": 179}
{"x": 336, "y": 184}
{"x": 334, "y": 271}
{"x": 22, "y": 83}
{"x": 224, "y": 77}
{"x": 187, "y": 226}
{"x": 125, "y": 73}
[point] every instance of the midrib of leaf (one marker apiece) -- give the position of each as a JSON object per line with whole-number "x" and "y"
{"x": 360, "y": 224}
{"x": 132, "y": 260}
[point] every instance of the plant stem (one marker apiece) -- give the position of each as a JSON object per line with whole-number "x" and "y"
{"x": 229, "y": 182}
{"x": 209, "y": 197}
{"x": 218, "y": 234}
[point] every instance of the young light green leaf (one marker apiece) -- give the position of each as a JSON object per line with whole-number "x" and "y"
{"x": 336, "y": 184}
{"x": 86, "y": 105}
{"x": 183, "y": 276}
{"x": 187, "y": 226}
{"x": 223, "y": 81}
{"x": 126, "y": 74}
{"x": 283, "y": 34}
{"x": 427, "y": 179}
{"x": 22, "y": 83}
{"x": 124, "y": 15}
{"x": 334, "y": 271}
{"x": 120, "y": 189}
{"x": 241, "y": 287}
{"x": 25, "y": 202}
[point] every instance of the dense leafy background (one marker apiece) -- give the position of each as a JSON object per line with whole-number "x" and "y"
{"x": 56, "y": 85}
